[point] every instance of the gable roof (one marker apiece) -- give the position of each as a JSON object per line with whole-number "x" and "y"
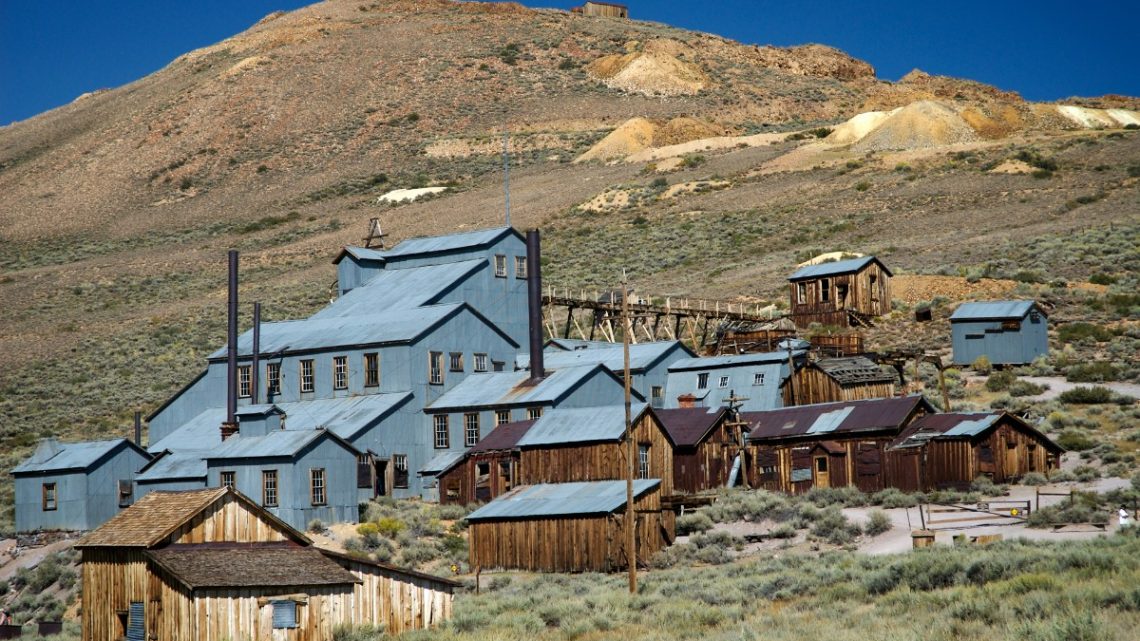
{"x": 962, "y": 425}
{"x": 642, "y": 356}
{"x": 735, "y": 360}
{"x": 249, "y": 566}
{"x": 561, "y": 499}
{"x": 157, "y": 515}
{"x": 854, "y": 369}
{"x": 275, "y": 444}
{"x": 52, "y": 456}
{"x": 441, "y": 463}
{"x": 432, "y": 245}
{"x": 169, "y": 466}
{"x": 501, "y": 389}
{"x": 836, "y": 268}
{"x": 561, "y": 426}
{"x": 689, "y": 426}
{"x": 503, "y": 437}
{"x": 848, "y": 417}
{"x": 401, "y": 289}
{"x": 993, "y": 310}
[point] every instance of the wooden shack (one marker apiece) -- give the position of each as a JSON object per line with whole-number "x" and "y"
{"x": 845, "y": 293}
{"x": 830, "y": 380}
{"x": 704, "y": 447}
{"x": 827, "y": 445}
{"x": 603, "y": 9}
{"x": 488, "y": 470}
{"x": 209, "y": 565}
{"x": 942, "y": 451}
{"x": 567, "y": 527}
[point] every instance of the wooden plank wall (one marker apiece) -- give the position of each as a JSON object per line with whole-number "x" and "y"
{"x": 834, "y": 312}
{"x": 228, "y": 520}
{"x": 462, "y": 478}
{"x": 860, "y": 464}
{"x": 600, "y": 461}
{"x": 707, "y": 466}
{"x": 814, "y": 386}
{"x": 398, "y": 601}
{"x": 112, "y": 579}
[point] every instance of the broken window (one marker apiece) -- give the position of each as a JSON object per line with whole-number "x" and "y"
{"x": 435, "y": 368}
{"x": 801, "y": 293}
{"x": 480, "y": 362}
{"x": 400, "y": 468}
{"x": 824, "y": 290}
{"x": 456, "y": 361}
{"x": 520, "y": 267}
{"x": 371, "y": 370}
{"x": 500, "y": 266}
{"x": 643, "y": 460}
{"x": 502, "y": 416}
{"x": 50, "y": 500}
{"x": 703, "y": 380}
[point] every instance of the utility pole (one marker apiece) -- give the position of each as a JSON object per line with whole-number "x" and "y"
{"x": 630, "y": 536}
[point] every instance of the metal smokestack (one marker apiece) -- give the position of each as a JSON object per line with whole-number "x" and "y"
{"x": 230, "y": 426}
{"x": 138, "y": 428}
{"x": 256, "y": 364}
{"x": 534, "y": 304}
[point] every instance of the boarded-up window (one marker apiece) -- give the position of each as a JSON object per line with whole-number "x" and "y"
{"x": 136, "y": 623}
{"x": 400, "y": 470}
{"x": 801, "y": 464}
{"x": 867, "y": 460}
{"x": 371, "y": 370}
{"x": 284, "y": 614}
{"x": 364, "y": 471}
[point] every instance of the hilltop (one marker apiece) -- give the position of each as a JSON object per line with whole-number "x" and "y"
{"x": 708, "y": 168}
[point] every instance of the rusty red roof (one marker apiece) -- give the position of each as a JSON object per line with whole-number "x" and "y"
{"x": 503, "y": 437}
{"x": 827, "y": 419}
{"x": 689, "y": 426}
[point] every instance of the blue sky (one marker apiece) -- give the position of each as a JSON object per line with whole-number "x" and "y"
{"x": 54, "y": 50}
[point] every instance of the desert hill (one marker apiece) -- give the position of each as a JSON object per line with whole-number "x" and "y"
{"x": 708, "y": 167}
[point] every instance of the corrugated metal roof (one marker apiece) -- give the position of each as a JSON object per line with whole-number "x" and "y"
{"x": 365, "y": 253}
{"x": 716, "y": 362}
{"x": 509, "y": 388}
{"x": 561, "y": 499}
{"x": 400, "y": 289}
{"x": 846, "y": 417}
{"x": 855, "y": 369}
{"x": 689, "y": 426}
{"x": 972, "y": 427}
{"x": 580, "y": 425}
{"x": 992, "y": 310}
{"x": 68, "y": 456}
{"x": 187, "y": 464}
{"x": 279, "y": 443}
{"x": 965, "y": 425}
{"x": 835, "y": 268}
{"x": 503, "y": 437}
{"x": 448, "y": 243}
{"x": 576, "y": 343}
{"x": 641, "y": 356}
{"x": 250, "y": 566}
{"x": 441, "y": 463}
{"x": 392, "y": 326}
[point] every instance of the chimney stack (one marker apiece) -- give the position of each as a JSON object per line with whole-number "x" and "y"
{"x": 229, "y": 428}
{"x": 686, "y": 401}
{"x": 534, "y": 304}
{"x": 256, "y": 363}
{"x": 138, "y": 428}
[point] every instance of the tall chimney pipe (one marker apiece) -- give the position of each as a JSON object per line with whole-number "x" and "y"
{"x": 230, "y": 426}
{"x": 256, "y": 364}
{"x": 534, "y": 304}
{"x": 138, "y": 428}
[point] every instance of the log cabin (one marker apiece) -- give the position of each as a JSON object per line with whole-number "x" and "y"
{"x": 704, "y": 447}
{"x": 941, "y": 451}
{"x": 210, "y": 565}
{"x": 567, "y": 527}
{"x": 827, "y": 445}
{"x": 830, "y": 380}
{"x": 845, "y": 293}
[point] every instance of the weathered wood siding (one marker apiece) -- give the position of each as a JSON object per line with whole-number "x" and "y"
{"x": 600, "y": 461}
{"x": 397, "y": 601}
{"x": 815, "y": 386}
{"x": 605, "y": 10}
{"x": 706, "y": 466}
{"x": 570, "y": 544}
{"x": 112, "y": 580}
{"x": 230, "y": 521}
{"x": 461, "y": 486}
{"x": 861, "y": 297}
{"x": 860, "y": 464}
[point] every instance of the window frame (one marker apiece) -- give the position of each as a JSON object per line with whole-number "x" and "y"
{"x": 470, "y": 428}
{"x": 307, "y": 382}
{"x": 455, "y": 361}
{"x": 340, "y": 372}
{"x": 657, "y": 395}
{"x": 318, "y": 491}
{"x": 273, "y": 379}
{"x": 500, "y": 265}
{"x": 245, "y": 381}
{"x": 757, "y": 379}
{"x": 479, "y": 362}
{"x": 801, "y": 292}
{"x": 400, "y": 471}
{"x": 702, "y": 380}
{"x": 372, "y": 369}
{"x": 825, "y": 290}
{"x": 520, "y": 268}
{"x": 441, "y": 431}
{"x": 281, "y": 604}
{"x": 534, "y": 413}
{"x": 435, "y": 368}
{"x": 723, "y": 382}
{"x": 227, "y": 478}
{"x": 270, "y": 489}
{"x": 502, "y": 417}
{"x": 643, "y": 451}
{"x": 49, "y": 490}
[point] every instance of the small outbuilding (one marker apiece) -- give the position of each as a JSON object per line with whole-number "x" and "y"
{"x": 845, "y": 293}
{"x": 830, "y": 380}
{"x": 75, "y": 486}
{"x": 1007, "y": 332}
{"x": 941, "y": 451}
{"x": 705, "y": 447}
{"x": 567, "y": 527}
{"x": 209, "y": 565}
{"x": 603, "y": 9}
{"x": 487, "y": 470}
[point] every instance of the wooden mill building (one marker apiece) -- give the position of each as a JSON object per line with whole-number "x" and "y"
{"x": 704, "y": 447}
{"x": 567, "y": 527}
{"x": 845, "y": 293}
{"x": 940, "y": 451}
{"x": 211, "y": 565}
{"x": 831, "y": 380}
{"x": 603, "y": 9}
{"x": 827, "y": 445}
{"x": 1007, "y": 332}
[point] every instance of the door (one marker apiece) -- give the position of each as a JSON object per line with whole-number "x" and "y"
{"x": 822, "y": 476}
{"x": 381, "y": 477}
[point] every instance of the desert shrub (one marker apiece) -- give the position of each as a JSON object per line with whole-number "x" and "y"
{"x": 1000, "y": 381}
{"x": 893, "y": 497}
{"x": 781, "y": 531}
{"x": 357, "y": 633}
{"x": 877, "y": 522}
{"x": 1086, "y": 473}
{"x": 985, "y": 486}
{"x": 1062, "y": 476}
{"x": 1092, "y": 372}
{"x": 1071, "y": 332}
{"x": 316, "y": 526}
{"x": 848, "y": 496}
{"x": 833, "y": 527}
{"x": 1076, "y": 440}
{"x": 1026, "y": 388}
{"x": 862, "y": 185}
{"x": 693, "y": 522}
{"x": 1087, "y": 395}
{"x": 982, "y": 365}
{"x": 390, "y": 526}
{"x": 1034, "y": 479}
{"x": 692, "y": 161}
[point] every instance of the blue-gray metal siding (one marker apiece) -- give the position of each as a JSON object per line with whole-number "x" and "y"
{"x": 972, "y": 339}
{"x": 84, "y": 500}
{"x": 740, "y": 381}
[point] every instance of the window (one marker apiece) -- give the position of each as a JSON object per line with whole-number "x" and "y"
{"x": 657, "y": 395}
{"x": 871, "y": 280}
{"x": 50, "y": 501}
{"x": 520, "y": 267}
{"x": 228, "y": 479}
{"x": 317, "y": 486}
{"x": 824, "y": 290}
{"x": 758, "y": 378}
{"x": 1035, "y": 317}
{"x": 284, "y": 614}
{"x": 471, "y": 429}
{"x": 307, "y": 376}
{"x": 723, "y": 381}
{"x": 500, "y": 266}
{"x": 497, "y": 366}
{"x": 703, "y": 380}
{"x": 269, "y": 488}
{"x": 821, "y": 464}
{"x": 1011, "y": 325}
{"x": 125, "y": 493}
{"x": 801, "y": 293}
{"x": 340, "y": 372}
{"x": 442, "y": 434}
{"x": 245, "y": 381}
{"x": 435, "y": 368}
{"x": 364, "y": 471}
{"x": 502, "y": 416}
{"x": 643, "y": 460}
{"x": 456, "y": 362}
{"x": 534, "y": 413}
{"x": 371, "y": 370}
{"x": 400, "y": 469}
{"x": 273, "y": 379}
{"x": 480, "y": 362}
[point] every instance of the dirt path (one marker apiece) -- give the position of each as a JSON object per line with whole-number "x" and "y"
{"x": 1057, "y": 384}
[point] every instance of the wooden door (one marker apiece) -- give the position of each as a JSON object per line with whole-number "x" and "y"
{"x": 822, "y": 475}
